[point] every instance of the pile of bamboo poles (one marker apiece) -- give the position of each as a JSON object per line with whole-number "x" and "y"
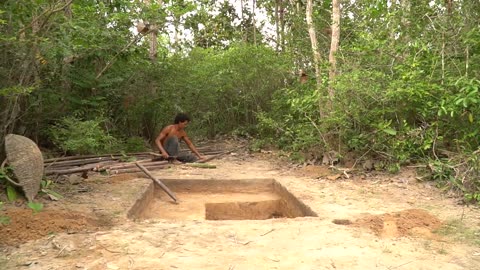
{"x": 116, "y": 163}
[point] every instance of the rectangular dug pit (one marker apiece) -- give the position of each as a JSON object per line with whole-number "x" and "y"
{"x": 219, "y": 200}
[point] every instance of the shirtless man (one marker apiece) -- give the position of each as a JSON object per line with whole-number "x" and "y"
{"x": 168, "y": 140}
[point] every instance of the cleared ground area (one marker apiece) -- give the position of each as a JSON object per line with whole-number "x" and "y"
{"x": 253, "y": 211}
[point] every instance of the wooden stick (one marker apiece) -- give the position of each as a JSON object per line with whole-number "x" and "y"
{"x": 79, "y": 162}
{"x": 134, "y": 170}
{"x": 132, "y": 165}
{"x": 214, "y": 157}
{"x": 165, "y": 188}
{"x": 75, "y": 169}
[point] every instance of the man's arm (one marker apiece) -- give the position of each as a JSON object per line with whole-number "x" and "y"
{"x": 158, "y": 142}
{"x": 192, "y": 147}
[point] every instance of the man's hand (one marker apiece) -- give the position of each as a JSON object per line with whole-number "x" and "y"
{"x": 165, "y": 155}
{"x": 200, "y": 157}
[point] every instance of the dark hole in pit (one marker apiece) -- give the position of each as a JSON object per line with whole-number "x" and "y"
{"x": 220, "y": 200}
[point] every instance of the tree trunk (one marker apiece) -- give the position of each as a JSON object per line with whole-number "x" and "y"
{"x": 313, "y": 40}
{"x": 282, "y": 25}
{"x": 244, "y": 33}
{"x": 277, "y": 25}
{"x": 153, "y": 46}
{"x": 254, "y": 27}
{"x": 153, "y": 38}
{"x": 333, "y": 49}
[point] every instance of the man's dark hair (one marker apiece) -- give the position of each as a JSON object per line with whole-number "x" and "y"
{"x": 181, "y": 117}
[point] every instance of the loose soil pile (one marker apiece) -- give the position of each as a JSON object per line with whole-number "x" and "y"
{"x": 24, "y": 225}
{"x": 402, "y": 223}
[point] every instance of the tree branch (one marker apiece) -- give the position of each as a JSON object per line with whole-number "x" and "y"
{"x": 48, "y": 13}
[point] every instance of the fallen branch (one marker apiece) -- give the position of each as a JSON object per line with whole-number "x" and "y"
{"x": 214, "y": 157}
{"x": 267, "y": 232}
{"x": 103, "y": 155}
{"x": 79, "y": 161}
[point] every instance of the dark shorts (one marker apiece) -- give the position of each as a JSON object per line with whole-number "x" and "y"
{"x": 172, "y": 146}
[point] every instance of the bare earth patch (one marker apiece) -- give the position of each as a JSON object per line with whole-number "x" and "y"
{"x": 364, "y": 221}
{"x": 25, "y": 225}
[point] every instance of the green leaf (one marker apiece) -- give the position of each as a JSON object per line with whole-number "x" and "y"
{"x": 55, "y": 196}
{"x": 390, "y": 131}
{"x": 36, "y": 207}
{"x": 11, "y": 193}
{"x": 4, "y": 220}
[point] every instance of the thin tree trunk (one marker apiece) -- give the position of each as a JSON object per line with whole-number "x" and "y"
{"x": 282, "y": 25}
{"x": 392, "y": 9}
{"x": 244, "y": 36}
{"x": 68, "y": 9}
{"x": 254, "y": 27}
{"x": 443, "y": 57}
{"x": 153, "y": 46}
{"x": 313, "y": 40}
{"x": 68, "y": 59}
{"x": 467, "y": 61}
{"x": 153, "y": 38}
{"x": 277, "y": 24}
{"x": 334, "y": 48}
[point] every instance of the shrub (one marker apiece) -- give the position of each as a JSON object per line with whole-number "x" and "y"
{"x": 134, "y": 144}
{"x": 75, "y": 136}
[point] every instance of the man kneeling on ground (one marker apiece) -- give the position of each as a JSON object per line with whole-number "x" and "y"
{"x": 168, "y": 140}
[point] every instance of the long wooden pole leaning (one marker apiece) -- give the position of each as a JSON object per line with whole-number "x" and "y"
{"x": 165, "y": 188}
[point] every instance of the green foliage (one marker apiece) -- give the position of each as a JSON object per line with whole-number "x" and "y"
{"x": 16, "y": 90}
{"x": 11, "y": 193}
{"x": 36, "y": 207}
{"x": 407, "y": 82}
{"x": 290, "y": 124}
{"x": 460, "y": 173}
{"x": 46, "y": 187}
{"x": 4, "y": 220}
{"x": 459, "y": 231}
{"x": 222, "y": 89}
{"x": 10, "y": 190}
{"x": 75, "y": 136}
{"x": 134, "y": 144}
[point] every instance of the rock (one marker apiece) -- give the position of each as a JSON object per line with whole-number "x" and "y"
{"x": 74, "y": 179}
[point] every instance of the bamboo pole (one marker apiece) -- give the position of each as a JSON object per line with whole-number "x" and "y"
{"x": 75, "y": 169}
{"x": 132, "y": 165}
{"x": 163, "y": 186}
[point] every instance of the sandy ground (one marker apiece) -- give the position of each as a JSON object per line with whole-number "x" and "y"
{"x": 383, "y": 222}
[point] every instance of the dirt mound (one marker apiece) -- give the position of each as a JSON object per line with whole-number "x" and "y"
{"x": 397, "y": 224}
{"x": 25, "y": 225}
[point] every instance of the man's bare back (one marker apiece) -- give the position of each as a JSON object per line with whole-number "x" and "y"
{"x": 172, "y": 130}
